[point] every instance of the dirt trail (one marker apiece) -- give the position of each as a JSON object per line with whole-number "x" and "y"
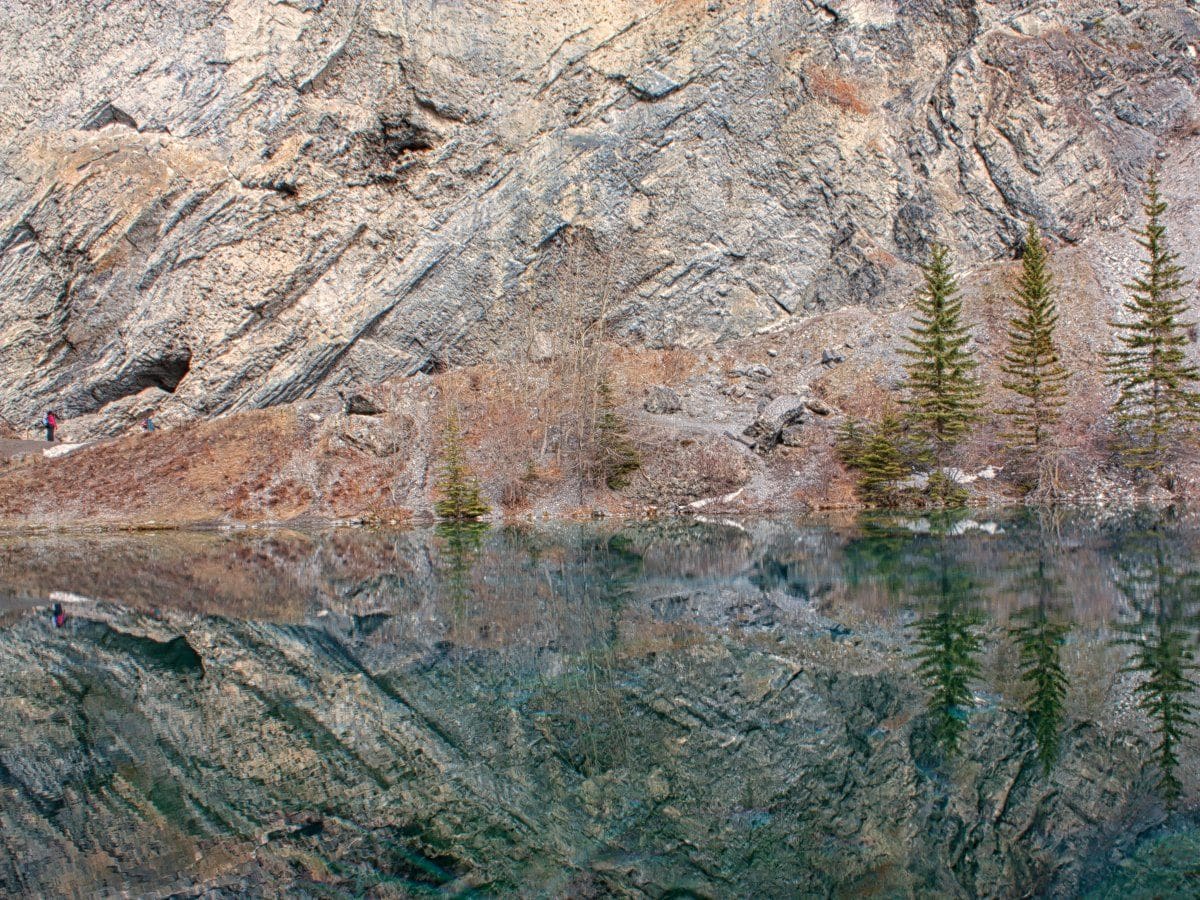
{"x": 12, "y": 447}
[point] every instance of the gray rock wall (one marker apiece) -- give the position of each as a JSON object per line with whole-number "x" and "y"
{"x": 207, "y": 206}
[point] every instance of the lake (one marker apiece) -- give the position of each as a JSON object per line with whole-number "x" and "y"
{"x": 973, "y": 705}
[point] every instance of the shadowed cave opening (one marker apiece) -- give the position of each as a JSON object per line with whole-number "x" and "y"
{"x": 165, "y": 372}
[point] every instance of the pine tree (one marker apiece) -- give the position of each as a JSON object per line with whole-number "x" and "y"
{"x": 943, "y": 391}
{"x": 459, "y": 499}
{"x": 617, "y": 457}
{"x": 881, "y": 454}
{"x": 882, "y": 462}
{"x": 1032, "y": 364}
{"x": 1155, "y": 383}
{"x": 849, "y": 441}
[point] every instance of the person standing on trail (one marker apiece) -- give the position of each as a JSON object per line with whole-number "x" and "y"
{"x": 51, "y": 424}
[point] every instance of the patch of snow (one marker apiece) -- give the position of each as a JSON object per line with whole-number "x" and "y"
{"x": 60, "y": 450}
{"x": 68, "y": 597}
{"x": 728, "y": 498}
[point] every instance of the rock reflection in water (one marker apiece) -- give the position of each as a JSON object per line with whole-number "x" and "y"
{"x": 893, "y": 706}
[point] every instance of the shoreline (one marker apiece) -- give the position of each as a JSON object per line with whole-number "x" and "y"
{"x": 847, "y": 514}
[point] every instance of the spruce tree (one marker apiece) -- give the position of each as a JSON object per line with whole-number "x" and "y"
{"x": 943, "y": 391}
{"x": 849, "y": 441}
{"x": 459, "y": 499}
{"x": 617, "y": 457}
{"x": 881, "y": 454}
{"x": 882, "y": 462}
{"x": 1032, "y": 364}
{"x": 1156, "y": 386}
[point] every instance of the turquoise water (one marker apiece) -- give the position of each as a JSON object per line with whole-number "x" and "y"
{"x": 982, "y": 705}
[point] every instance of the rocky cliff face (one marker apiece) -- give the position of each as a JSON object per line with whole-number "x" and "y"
{"x": 218, "y": 205}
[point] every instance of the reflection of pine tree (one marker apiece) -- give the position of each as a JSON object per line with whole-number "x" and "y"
{"x": 1040, "y": 640}
{"x": 1166, "y": 660}
{"x": 1161, "y": 592}
{"x": 460, "y": 545}
{"x": 948, "y": 648}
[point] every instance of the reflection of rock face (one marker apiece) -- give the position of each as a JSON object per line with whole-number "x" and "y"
{"x": 661, "y": 759}
{"x": 578, "y": 710}
{"x": 219, "y": 206}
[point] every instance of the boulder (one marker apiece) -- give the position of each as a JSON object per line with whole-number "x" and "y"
{"x": 541, "y": 347}
{"x": 362, "y": 405}
{"x": 661, "y": 400}
{"x": 818, "y": 407}
{"x": 792, "y": 436}
{"x": 767, "y": 428}
{"x": 754, "y": 371}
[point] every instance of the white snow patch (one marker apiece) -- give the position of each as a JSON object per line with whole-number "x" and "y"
{"x": 68, "y": 597}
{"x": 60, "y": 450}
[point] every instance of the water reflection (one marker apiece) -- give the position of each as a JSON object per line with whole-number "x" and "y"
{"x": 960, "y": 705}
{"x": 1162, "y": 588}
{"x": 948, "y": 644}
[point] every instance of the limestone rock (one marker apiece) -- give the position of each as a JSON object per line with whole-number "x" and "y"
{"x": 362, "y": 405}
{"x": 792, "y": 436}
{"x": 767, "y": 428}
{"x": 661, "y": 400}
{"x": 378, "y": 436}
{"x": 244, "y": 204}
{"x": 817, "y": 406}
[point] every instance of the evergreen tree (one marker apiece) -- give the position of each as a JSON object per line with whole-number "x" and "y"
{"x": 882, "y": 454}
{"x": 943, "y": 391}
{"x": 849, "y": 440}
{"x": 1032, "y": 364}
{"x": 617, "y": 457}
{"x": 1156, "y": 386}
{"x": 882, "y": 463}
{"x": 459, "y": 499}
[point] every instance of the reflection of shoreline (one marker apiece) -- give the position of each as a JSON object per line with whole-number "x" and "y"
{"x": 593, "y": 729}
{"x": 861, "y": 572}
{"x": 613, "y": 703}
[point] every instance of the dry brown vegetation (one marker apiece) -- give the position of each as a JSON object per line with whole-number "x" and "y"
{"x": 830, "y": 86}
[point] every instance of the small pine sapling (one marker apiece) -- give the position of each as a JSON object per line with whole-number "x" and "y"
{"x": 459, "y": 497}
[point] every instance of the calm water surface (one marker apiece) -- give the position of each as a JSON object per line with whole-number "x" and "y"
{"x": 966, "y": 706}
